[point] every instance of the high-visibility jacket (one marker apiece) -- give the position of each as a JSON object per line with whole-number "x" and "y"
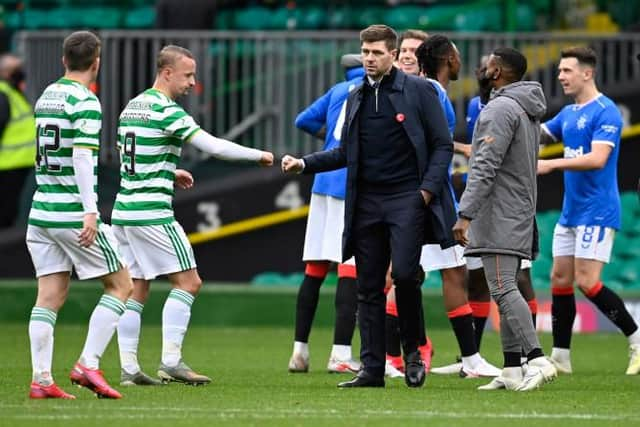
{"x": 18, "y": 140}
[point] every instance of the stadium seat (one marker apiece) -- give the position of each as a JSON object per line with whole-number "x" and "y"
{"x": 225, "y": 20}
{"x": 369, "y": 16}
{"x": 142, "y": 17}
{"x": 341, "y": 18}
{"x": 313, "y": 18}
{"x": 98, "y": 17}
{"x": 252, "y": 18}
{"x": 405, "y": 17}
{"x": 486, "y": 18}
{"x": 35, "y": 19}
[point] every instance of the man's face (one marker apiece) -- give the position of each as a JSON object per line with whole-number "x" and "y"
{"x": 484, "y": 83}
{"x": 455, "y": 63}
{"x": 181, "y": 76}
{"x": 573, "y": 76}
{"x": 407, "y": 60}
{"x": 377, "y": 59}
{"x": 492, "y": 72}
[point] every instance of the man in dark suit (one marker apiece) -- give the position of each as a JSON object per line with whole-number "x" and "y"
{"x": 397, "y": 149}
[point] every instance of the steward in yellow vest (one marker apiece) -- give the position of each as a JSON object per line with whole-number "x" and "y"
{"x": 17, "y": 137}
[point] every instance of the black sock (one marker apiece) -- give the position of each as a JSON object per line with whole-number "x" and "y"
{"x": 478, "y": 329}
{"x": 511, "y": 359}
{"x": 535, "y": 353}
{"x": 463, "y": 329}
{"x": 563, "y": 313}
{"x": 306, "y": 306}
{"x": 392, "y": 329}
{"x": 346, "y": 305}
{"x": 611, "y": 305}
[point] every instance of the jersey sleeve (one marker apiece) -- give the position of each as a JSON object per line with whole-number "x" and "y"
{"x": 314, "y": 117}
{"x": 607, "y": 127}
{"x": 450, "y": 114}
{"x": 180, "y": 124}
{"x": 553, "y": 127}
{"x": 86, "y": 123}
{"x": 472, "y": 116}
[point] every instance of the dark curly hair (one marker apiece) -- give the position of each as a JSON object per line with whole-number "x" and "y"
{"x": 432, "y": 53}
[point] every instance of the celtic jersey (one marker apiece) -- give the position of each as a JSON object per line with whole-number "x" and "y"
{"x": 151, "y": 131}
{"x": 67, "y": 115}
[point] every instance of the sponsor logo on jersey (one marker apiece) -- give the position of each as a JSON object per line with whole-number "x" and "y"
{"x": 570, "y": 153}
{"x": 609, "y": 128}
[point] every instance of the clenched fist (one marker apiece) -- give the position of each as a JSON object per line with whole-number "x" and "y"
{"x": 291, "y": 165}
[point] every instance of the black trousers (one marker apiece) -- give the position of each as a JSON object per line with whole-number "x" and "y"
{"x": 11, "y": 185}
{"x": 388, "y": 227}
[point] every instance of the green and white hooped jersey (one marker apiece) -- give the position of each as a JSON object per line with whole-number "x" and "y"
{"x": 67, "y": 115}
{"x": 151, "y": 131}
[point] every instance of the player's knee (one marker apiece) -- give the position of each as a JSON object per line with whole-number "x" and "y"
{"x": 585, "y": 282}
{"x": 193, "y": 286}
{"x": 560, "y": 279}
{"x": 453, "y": 278}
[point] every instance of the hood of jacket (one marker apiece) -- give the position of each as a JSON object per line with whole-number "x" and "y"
{"x": 527, "y": 94}
{"x": 352, "y": 73}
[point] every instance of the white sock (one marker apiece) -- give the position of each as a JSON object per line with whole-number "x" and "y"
{"x": 561, "y": 354}
{"x": 41, "y": 325}
{"x": 470, "y": 362}
{"x": 301, "y": 348}
{"x": 634, "y": 338}
{"x": 129, "y": 336}
{"x": 514, "y": 373}
{"x": 175, "y": 319}
{"x": 102, "y": 325}
{"x": 341, "y": 352}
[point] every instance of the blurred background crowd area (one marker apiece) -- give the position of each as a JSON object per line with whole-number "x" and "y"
{"x": 442, "y": 15}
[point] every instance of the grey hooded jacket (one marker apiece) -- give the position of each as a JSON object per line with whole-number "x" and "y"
{"x": 501, "y": 191}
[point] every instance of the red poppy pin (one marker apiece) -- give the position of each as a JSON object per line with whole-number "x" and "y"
{"x": 400, "y": 117}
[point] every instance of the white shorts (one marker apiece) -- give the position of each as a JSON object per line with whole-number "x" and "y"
{"x": 323, "y": 237}
{"x": 584, "y": 241}
{"x": 434, "y": 258}
{"x": 475, "y": 263}
{"x": 153, "y": 250}
{"x": 56, "y": 250}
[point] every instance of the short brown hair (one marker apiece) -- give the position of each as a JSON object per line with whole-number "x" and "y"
{"x": 412, "y": 34}
{"x": 170, "y": 54}
{"x": 585, "y": 55}
{"x": 80, "y": 49}
{"x": 376, "y": 33}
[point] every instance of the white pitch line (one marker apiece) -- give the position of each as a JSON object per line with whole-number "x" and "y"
{"x": 267, "y": 413}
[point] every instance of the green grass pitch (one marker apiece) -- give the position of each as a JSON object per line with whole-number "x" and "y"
{"x": 251, "y": 385}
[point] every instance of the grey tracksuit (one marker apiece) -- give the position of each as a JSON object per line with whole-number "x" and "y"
{"x": 500, "y": 200}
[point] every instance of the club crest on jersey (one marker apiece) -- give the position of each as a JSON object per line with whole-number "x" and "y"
{"x": 582, "y": 122}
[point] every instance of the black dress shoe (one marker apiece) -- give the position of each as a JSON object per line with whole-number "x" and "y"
{"x": 363, "y": 379}
{"x": 414, "y": 374}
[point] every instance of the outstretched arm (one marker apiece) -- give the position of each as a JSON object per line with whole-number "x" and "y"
{"x": 227, "y": 150}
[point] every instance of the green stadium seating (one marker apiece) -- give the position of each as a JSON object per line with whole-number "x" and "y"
{"x": 98, "y": 17}
{"x": 368, "y": 16}
{"x": 341, "y": 18}
{"x": 252, "y": 18}
{"x": 313, "y": 18}
{"x": 406, "y": 17}
{"x": 142, "y": 17}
